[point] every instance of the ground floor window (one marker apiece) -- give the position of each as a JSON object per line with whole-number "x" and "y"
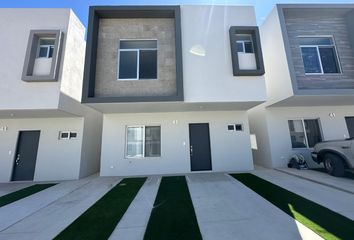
{"x": 305, "y": 133}
{"x": 143, "y": 141}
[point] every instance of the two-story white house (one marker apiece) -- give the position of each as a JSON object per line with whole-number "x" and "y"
{"x": 309, "y": 59}
{"x": 174, "y": 84}
{"x": 45, "y": 133}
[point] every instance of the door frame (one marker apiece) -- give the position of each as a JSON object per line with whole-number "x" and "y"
{"x": 190, "y": 159}
{"x": 16, "y": 150}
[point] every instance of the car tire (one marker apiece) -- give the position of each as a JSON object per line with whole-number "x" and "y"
{"x": 334, "y": 165}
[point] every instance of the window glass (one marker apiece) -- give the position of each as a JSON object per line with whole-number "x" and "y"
{"x": 152, "y": 141}
{"x": 137, "y": 59}
{"x": 240, "y": 47}
{"x": 135, "y": 141}
{"x": 137, "y": 44}
{"x": 148, "y": 64}
{"x": 297, "y": 134}
{"x": 128, "y": 64}
{"x": 311, "y": 60}
{"x": 315, "y": 41}
{"x": 45, "y": 41}
{"x": 248, "y": 47}
{"x": 313, "y": 132}
{"x": 51, "y": 50}
{"x": 329, "y": 60}
{"x": 43, "y": 52}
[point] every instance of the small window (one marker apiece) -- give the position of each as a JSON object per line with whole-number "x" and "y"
{"x": 73, "y": 135}
{"x": 244, "y": 43}
{"x": 64, "y": 135}
{"x": 46, "y": 47}
{"x": 143, "y": 141}
{"x": 231, "y": 127}
{"x": 238, "y": 127}
{"x": 304, "y": 133}
{"x": 246, "y": 51}
{"x": 319, "y": 55}
{"x": 137, "y": 59}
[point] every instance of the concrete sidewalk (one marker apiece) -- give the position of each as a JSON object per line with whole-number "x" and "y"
{"x": 226, "y": 209}
{"x": 6, "y": 188}
{"x": 336, "y": 200}
{"x": 343, "y": 184}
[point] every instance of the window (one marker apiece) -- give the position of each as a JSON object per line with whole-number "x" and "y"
{"x": 42, "y": 61}
{"x": 46, "y": 48}
{"x": 319, "y": 55}
{"x": 137, "y": 59}
{"x": 143, "y": 141}
{"x": 65, "y": 135}
{"x": 235, "y": 127}
{"x": 244, "y": 43}
{"x": 246, "y": 51}
{"x": 304, "y": 133}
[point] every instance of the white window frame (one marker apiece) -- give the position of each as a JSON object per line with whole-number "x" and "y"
{"x": 48, "y": 46}
{"x": 126, "y": 141}
{"x": 333, "y": 45}
{"x": 138, "y": 58}
{"x": 304, "y": 129}
{"x": 243, "y": 44}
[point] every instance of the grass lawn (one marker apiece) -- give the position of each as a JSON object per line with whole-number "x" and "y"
{"x": 99, "y": 221}
{"x": 173, "y": 215}
{"x": 25, "y": 192}
{"x": 323, "y": 221}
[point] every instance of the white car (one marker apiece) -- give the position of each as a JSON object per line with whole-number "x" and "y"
{"x": 337, "y": 156}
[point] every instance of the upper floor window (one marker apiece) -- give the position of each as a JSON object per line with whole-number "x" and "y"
{"x": 319, "y": 55}
{"x": 246, "y": 51}
{"x": 244, "y": 43}
{"x": 46, "y": 47}
{"x": 137, "y": 59}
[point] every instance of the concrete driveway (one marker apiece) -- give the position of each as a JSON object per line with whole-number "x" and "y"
{"x": 225, "y": 208}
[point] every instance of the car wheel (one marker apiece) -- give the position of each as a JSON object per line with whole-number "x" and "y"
{"x": 334, "y": 165}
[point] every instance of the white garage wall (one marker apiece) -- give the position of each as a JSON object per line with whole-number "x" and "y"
{"x": 279, "y": 138}
{"x": 231, "y": 151}
{"x": 56, "y": 159}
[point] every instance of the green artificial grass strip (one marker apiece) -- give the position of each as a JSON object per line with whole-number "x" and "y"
{"x": 99, "y": 221}
{"x": 25, "y": 192}
{"x": 349, "y": 175}
{"x": 173, "y": 215}
{"x": 321, "y": 220}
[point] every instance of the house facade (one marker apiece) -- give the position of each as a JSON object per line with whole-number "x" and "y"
{"x": 309, "y": 57}
{"x": 174, "y": 84}
{"x": 45, "y": 133}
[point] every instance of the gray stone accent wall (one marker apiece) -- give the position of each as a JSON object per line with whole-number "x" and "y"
{"x": 322, "y": 24}
{"x": 110, "y": 32}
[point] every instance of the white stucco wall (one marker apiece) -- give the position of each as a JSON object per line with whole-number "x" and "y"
{"x": 231, "y": 151}
{"x": 15, "y": 93}
{"x": 210, "y": 78}
{"x": 73, "y": 59}
{"x": 91, "y": 143}
{"x": 277, "y": 75}
{"x": 279, "y": 136}
{"x": 56, "y": 159}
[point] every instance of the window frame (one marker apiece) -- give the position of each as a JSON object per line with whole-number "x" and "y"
{"x": 333, "y": 45}
{"x": 304, "y": 130}
{"x": 48, "y": 46}
{"x": 138, "y": 59}
{"x": 243, "y": 44}
{"x": 144, "y": 137}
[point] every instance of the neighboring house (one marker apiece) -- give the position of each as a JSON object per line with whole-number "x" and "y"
{"x": 45, "y": 133}
{"x": 174, "y": 84}
{"x": 309, "y": 59}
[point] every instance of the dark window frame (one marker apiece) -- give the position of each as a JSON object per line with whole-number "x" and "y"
{"x": 32, "y": 51}
{"x": 254, "y": 32}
